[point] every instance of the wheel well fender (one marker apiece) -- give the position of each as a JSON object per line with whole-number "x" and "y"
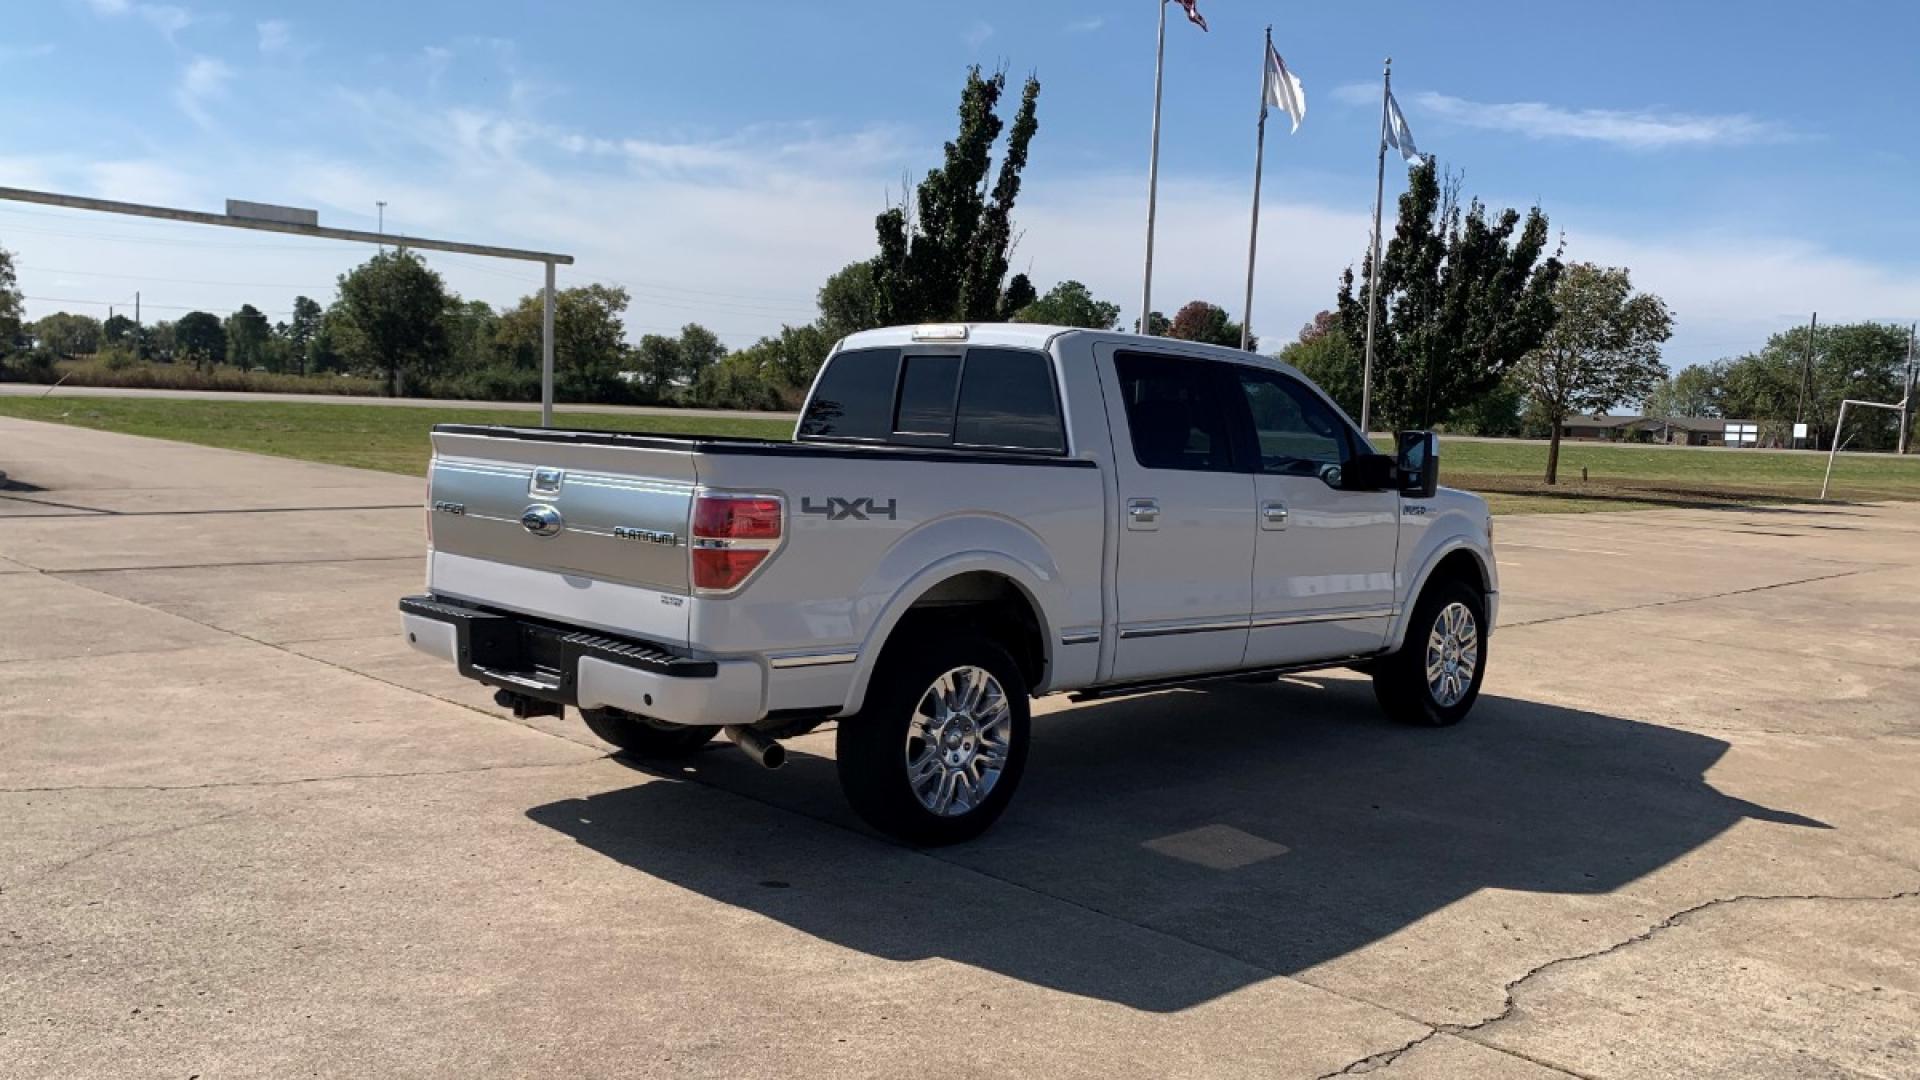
{"x": 1454, "y": 560}
{"x": 1000, "y": 595}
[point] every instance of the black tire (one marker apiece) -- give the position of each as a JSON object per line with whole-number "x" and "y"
{"x": 1400, "y": 678}
{"x": 643, "y": 738}
{"x": 873, "y": 747}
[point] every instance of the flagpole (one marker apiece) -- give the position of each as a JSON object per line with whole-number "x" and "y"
{"x": 1153, "y": 175}
{"x": 1259, "y": 159}
{"x": 1373, "y": 266}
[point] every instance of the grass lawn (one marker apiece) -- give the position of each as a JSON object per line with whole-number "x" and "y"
{"x": 394, "y": 439}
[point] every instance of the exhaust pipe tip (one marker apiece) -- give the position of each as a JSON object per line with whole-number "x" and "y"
{"x": 764, "y": 751}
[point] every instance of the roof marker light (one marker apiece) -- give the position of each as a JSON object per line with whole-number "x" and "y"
{"x": 940, "y": 332}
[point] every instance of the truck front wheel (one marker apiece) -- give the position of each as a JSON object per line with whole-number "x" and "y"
{"x": 1435, "y": 676}
{"x": 644, "y": 738}
{"x": 938, "y": 748}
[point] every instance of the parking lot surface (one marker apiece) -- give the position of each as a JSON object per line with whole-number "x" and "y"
{"x": 244, "y": 831}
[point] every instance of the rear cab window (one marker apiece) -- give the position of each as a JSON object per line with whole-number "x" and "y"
{"x": 979, "y": 398}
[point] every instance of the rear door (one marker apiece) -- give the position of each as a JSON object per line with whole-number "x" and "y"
{"x": 1324, "y": 561}
{"x": 1186, "y": 532}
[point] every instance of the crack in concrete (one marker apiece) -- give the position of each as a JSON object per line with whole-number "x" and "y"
{"x": 1510, "y": 991}
{"x": 108, "y": 845}
{"x": 1695, "y": 599}
{"x": 289, "y": 782}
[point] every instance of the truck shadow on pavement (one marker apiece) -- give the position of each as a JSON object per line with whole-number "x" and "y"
{"x": 1166, "y": 850}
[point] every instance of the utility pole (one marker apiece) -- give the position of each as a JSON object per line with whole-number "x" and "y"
{"x": 1906, "y": 398}
{"x": 1806, "y": 377}
{"x": 381, "y": 228}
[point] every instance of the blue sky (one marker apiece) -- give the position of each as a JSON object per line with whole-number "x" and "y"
{"x": 1749, "y": 162}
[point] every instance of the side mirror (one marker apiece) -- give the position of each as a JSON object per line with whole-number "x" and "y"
{"x": 1418, "y": 463}
{"x": 1367, "y": 472}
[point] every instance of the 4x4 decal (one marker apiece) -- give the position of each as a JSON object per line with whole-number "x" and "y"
{"x": 838, "y": 509}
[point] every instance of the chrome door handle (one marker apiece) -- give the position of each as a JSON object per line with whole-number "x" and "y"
{"x": 1273, "y": 515}
{"x": 1143, "y": 514}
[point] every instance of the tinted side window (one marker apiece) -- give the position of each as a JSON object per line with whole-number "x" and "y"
{"x": 1177, "y": 412}
{"x": 854, "y": 399}
{"x": 1006, "y": 400}
{"x": 926, "y": 396}
{"x": 1297, "y": 433}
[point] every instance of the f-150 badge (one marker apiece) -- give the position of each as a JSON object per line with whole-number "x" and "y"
{"x": 838, "y": 509}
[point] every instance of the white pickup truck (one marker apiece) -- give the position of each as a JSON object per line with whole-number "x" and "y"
{"x": 967, "y": 516}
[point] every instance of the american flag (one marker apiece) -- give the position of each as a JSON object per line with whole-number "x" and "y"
{"x": 1193, "y": 12}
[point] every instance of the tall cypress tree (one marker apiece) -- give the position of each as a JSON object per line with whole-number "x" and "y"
{"x": 1462, "y": 299}
{"x": 948, "y": 260}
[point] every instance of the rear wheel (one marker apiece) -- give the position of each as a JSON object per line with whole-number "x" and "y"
{"x": 1434, "y": 678}
{"x": 642, "y": 737}
{"x": 937, "y": 750}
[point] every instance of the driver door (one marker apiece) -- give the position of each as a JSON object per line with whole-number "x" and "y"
{"x": 1324, "y": 558}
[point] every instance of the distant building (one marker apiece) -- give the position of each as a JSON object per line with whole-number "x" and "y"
{"x": 1678, "y": 430}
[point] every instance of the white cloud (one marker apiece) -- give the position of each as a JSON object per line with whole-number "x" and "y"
{"x": 1640, "y": 129}
{"x": 1356, "y": 93}
{"x": 204, "y": 79}
{"x": 169, "y": 19}
{"x": 26, "y": 52}
{"x": 977, "y": 34}
{"x": 1087, "y": 25}
{"x": 737, "y": 229}
{"x": 275, "y": 35}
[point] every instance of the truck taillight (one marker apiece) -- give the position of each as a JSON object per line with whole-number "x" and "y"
{"x": 732, "y": 536}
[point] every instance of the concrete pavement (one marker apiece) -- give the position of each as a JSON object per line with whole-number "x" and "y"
{"x": 249, "y": 833}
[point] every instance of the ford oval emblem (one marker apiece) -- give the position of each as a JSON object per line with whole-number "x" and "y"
{"x": 541, "y": 520}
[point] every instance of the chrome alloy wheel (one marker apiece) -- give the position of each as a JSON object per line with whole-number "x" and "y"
{"x": 1453, "y": 651}
{"x": 958, "y": 742}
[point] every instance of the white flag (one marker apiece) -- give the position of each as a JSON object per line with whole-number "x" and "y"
{"x": 1399, "y": 136}
{"x": 1284, "y": 92}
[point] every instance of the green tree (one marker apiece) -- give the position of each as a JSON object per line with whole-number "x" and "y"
{"x": 1603, "y": 348}
{"x": 1158, "y": 325}
{"x": 1693, "y": 391}
{"x": 394, "y": 302}
{"x": 117, "y": 329}
{"x": 657, "y": 359}
{"x": 589, "y": 341}
{"x": 68, "y": 335}
{"x": 1498, "y": 413}
{"x": 301, "y": 330}
{"x": 199, "y": 339}
{"x": 472, "y": 331}
{"x": 700, "y": 349}
{"x": 736, "y": 382}
{"x": 1776, "y": 385}
{"x": 1323, "y": 354}
{"x": 1198, "y": 320}
{"x": 1070, "y": 304}
{"x": 946, "y": 257}
{"x": 1462, "y": 299}
{"x": 12, "y": 305}
{"x": 850, "y": 300}
{"x": 248, "y": 332}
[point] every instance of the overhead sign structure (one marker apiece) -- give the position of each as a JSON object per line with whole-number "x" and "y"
{"x": 285, "y": 215}
{"x": 267, "y": 217}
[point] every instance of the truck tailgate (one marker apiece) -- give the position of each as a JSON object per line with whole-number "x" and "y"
{"x": 588, "y": 533}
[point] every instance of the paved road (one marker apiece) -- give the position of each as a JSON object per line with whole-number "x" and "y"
{"x": 32, "y": 390}
{"x": 248, "y": 833}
